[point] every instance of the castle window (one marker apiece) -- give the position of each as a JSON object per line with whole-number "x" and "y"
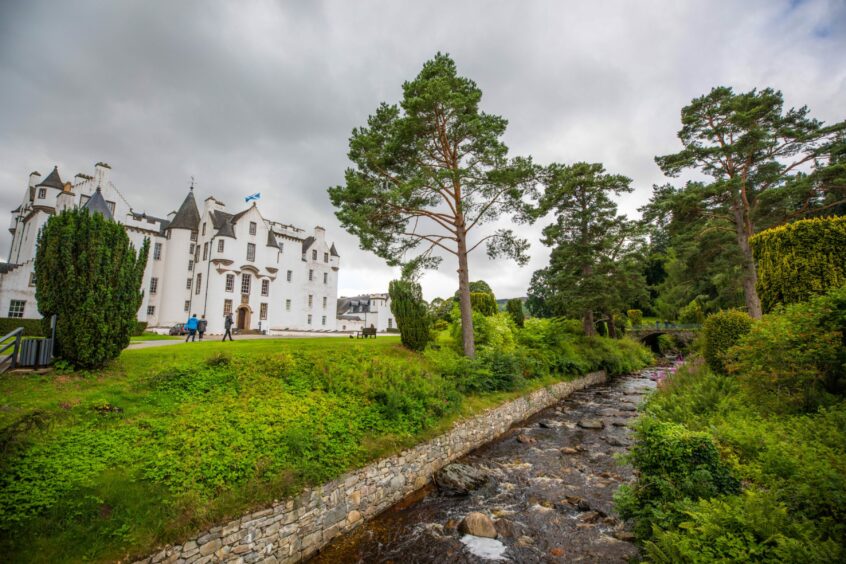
{"x": 251, "y": 252}
{"x": 32, "y": 279}
{"x": 204, "y": 228}
{"x": 290, "y": 275}
{"x": 390, "y": 323}
{"x": 187, "y": 305}
{"x": 227, "y": 307}
{"x": 82, "y": 199}
{"x": 199, "y": 283}
{"x": 157, "y": 251}
{"x": 309, "y": 319}
{"x": 325, "y": 257}
{"x": 190, "y": 264}
{"x": 154, "y": 285}
{"x": 230, "y": 282}
{"x": 310, "y": 275}
{"x": 314, "y": 254}
{"x": 220, "y": 245}
{"x": 287, "y": 305}
{"x": 323, "y": 320}
{"x": 252, "y": 228}
{"x": 42, "y": 193}
{"x": 324, "y": 302}
{"x": 151, "y": 310}
{"x": 205, "y": 251}
{"x": 191, "y": 248}
{"x": 263, "y": 311}
{"x": 193, "y": 235}
{"x": 310, "y": 300}
{"x": 325, "y": 277}
{"x": 245, "y": 283}
{"x": 16, "y": 308}
{"x": 111, "y": 207}
{"x": 188, "y": 284}
{"x": 265, "y": 287}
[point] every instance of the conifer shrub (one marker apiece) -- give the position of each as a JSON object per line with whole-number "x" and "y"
{"x": 484, "y": 303}
{"x": 89, "y": 276}
{"x": 635, "y": 317}
{"x": 692, "y": 313}
{"x": 721, "y": 331}
{"x": 800, "y": 260}
{"x": 411, "y": 313}
{"x": 515, "y": 310}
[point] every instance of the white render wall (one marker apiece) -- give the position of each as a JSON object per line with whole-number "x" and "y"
{"x": 171, "y": 268}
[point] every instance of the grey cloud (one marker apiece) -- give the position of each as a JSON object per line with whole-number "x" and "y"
{"x": 262, "y": 96}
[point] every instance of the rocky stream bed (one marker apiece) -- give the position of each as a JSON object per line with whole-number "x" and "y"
{"x": 540, "y": 493}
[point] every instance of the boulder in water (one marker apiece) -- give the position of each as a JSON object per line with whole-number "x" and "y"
{"x": 526, "y": 439}
{"x": 478, "y": 525}
{"x": 460, "y": 479}
{"x": 591, "y": 424}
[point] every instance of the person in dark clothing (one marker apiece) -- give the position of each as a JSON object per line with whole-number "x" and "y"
{"x": 191, "y": 327}
{"x": 227, "y": 324}
{"x": 201, "y": 326}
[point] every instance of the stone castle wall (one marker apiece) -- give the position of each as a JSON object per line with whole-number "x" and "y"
{"x": 295, "y": 529}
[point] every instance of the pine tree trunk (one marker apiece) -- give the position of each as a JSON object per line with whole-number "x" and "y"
{"x": 750, "y": 275}
{"x": 464, "y": 296}
{"x": 612, "y": 329}
{"x": 587, "y": 323}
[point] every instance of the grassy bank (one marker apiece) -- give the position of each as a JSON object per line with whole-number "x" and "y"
{"x": 110, "y": 464}
{"x": 750, "y": 465}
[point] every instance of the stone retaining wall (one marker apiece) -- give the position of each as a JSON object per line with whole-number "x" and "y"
{"x": 294, "y": 529}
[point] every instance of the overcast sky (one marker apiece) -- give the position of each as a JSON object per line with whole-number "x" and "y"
{"x": 262, "y": 96}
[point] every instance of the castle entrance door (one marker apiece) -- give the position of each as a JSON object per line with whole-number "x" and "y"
{"x": 243, "y": 318}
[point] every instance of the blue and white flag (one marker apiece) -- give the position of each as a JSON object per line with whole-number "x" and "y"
{"x": 252, "y": 197}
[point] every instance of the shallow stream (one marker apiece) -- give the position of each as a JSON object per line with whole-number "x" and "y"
{"x": 550, "y": 493}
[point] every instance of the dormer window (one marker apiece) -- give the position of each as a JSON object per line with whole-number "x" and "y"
{"x": 42, "y": 193}
{"x": 325, "y": 257}
{"x": 204, "y": 228}
{"x": 252, "y": 228}
{"x": 314, "y": 254}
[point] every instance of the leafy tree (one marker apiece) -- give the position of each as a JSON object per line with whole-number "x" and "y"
{"x": 755, "y": 152}
{"x": 514, "y": 307}
{"x": 593, "y": 268}
{"x": 411, "y": 312}
{"x": 484, "y": 303}
{"x": 89, "y": 276}
{"x": 428, "y": 172}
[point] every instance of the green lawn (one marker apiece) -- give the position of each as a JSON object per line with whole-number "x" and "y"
{"x": 168, "y": 440}
{"x": 152, "y": 337}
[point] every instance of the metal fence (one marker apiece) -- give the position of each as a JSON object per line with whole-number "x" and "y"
{"x": 35, "y": 352}
{"x": 9, "y": 360}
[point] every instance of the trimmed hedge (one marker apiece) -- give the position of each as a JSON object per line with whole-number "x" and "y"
{"x": 411, "y": 313}
{"x": 800, "y": 260}
{"x": 32, "y": 327}
{"x": 720, "y": 332}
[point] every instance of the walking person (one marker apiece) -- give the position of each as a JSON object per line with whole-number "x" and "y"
{"x": 191, "y": 327}
{"x": 201, "y": 326}
{"x": 227, "y": 324}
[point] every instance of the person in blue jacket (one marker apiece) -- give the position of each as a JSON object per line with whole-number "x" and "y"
{"x": 191, "y": 327}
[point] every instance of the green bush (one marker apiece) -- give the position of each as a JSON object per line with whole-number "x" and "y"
{"x": 140, "y": 327}
{"x": 484, "y": 303}
{"x": 411, "y": 313}
{"x": 692, "y": 313}
{"x": 635, "y": 317}
{"x": 800, "y": 260}
{"x": 795, "y": 358}
{"x": 676, "y": 466}
{"x": 720, "y": 332}
{"x": 89, "y": 276}
{"x": 32, "y": 327}
{"x": 515, "y": 310}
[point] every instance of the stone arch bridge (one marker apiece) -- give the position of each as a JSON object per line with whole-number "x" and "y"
{"x": 648, "y": 334}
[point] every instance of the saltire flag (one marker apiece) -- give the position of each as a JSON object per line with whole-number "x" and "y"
{"x": 252, "y": 197}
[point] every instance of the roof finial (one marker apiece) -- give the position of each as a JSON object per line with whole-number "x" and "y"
{"x": 192, "y": 183}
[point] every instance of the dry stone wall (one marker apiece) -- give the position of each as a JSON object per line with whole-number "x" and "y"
{"x": 294, "y": 529}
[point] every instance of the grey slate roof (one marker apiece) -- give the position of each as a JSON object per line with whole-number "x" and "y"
{"x": 355, "y": 304}
{"x": 333, "y": 251}
{"x": 97, "y": 204}
{"x": 271, "y": 239}
{"x": 188, "y": 216}
{"x": 307, "y": 243}
{"x": 53, "y": 180}
{"x": 224, "y": 224}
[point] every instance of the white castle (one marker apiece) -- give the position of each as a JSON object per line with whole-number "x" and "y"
{"x": 268, "y": 275}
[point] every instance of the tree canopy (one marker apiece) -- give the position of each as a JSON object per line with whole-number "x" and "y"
{"x": 427, "y": 173}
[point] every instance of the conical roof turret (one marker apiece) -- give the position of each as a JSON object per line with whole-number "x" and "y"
{"x": 53, "y": 180}
{"x": 188, "y": 215}
{"x": 97, "y": 204}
